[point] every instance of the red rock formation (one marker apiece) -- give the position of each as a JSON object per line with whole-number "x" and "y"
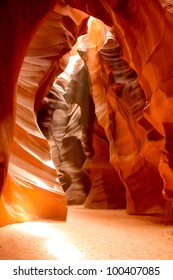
{"x": 32, "y": 189}
{"x": 129, "y": 139}
{"x": 144, "y": 44}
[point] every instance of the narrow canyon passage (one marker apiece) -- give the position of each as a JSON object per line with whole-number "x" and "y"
{"x": 86, "y": 130}
{"x": 89, "y": 234}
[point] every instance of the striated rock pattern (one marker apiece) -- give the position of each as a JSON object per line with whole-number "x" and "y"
{"x": 63, "y": 128}
{"x": 33, "y": 189}
{"x": 127, "y": 139}
{"x": 90, "y": 125}
{"x": 144, "y": 43}
{"x": 78, "y": 141}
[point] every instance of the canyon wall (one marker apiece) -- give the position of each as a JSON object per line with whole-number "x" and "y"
{"x": 85, "y": 112}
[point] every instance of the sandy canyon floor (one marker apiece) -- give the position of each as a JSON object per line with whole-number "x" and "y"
{"x": 89, "y": 234}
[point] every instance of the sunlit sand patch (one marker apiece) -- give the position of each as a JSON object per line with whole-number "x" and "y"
{"x": 55, "y": 241}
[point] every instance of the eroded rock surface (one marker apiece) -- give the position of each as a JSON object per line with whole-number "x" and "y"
{"x": 99, "y": 134}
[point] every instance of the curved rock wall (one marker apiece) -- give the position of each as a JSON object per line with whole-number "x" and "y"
{"x": 144, "y": 33}
{"x": 33, "y": 189}
{"x": 109, "y": 131}
{"x": 127, "y": 139}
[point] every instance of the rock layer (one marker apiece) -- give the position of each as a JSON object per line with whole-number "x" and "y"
{"x": 33, "y": 189}
{"x": 108, "y": 134}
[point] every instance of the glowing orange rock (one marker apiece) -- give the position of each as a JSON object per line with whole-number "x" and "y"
{"x": 31, "y": 175}
{"x": 137, "y": 155}
{"x": 144, "y": 33}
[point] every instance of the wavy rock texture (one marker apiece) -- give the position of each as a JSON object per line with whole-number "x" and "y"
{"x": 63, "y": 128}
{"x": 33, "y": 189}
{"x": 127, "y": 140}
{"x": 144, "y": 44}
{"x": 78, "y": 141}
{"x": 108, "y": 121}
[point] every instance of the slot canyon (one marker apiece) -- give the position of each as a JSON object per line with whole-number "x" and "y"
{"x": 86, "y": 129}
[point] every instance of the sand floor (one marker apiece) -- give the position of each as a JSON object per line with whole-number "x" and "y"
{"x": 89, "y": 234}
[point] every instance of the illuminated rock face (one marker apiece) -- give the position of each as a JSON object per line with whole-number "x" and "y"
{"x": 32, "y": 188}
{"x": 143, "y": 45}
{"x": 106, "y": 125}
